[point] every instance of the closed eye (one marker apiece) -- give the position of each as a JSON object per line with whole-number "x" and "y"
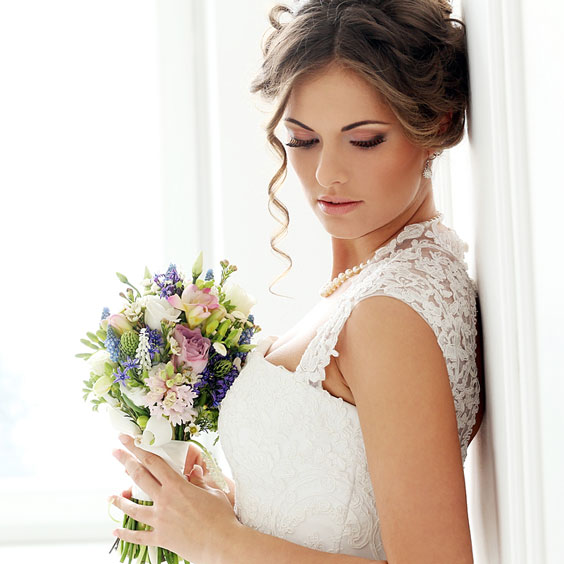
{"x": 368, "y": 144}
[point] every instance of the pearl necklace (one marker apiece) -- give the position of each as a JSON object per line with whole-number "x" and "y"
{"x": 327, "y": 289}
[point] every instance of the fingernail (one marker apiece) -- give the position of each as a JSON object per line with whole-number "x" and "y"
{"x": 123, "y": 438}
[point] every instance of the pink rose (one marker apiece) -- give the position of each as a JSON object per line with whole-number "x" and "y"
{"x": 193, "y": 348}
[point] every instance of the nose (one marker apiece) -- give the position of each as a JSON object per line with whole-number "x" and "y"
{"x": 330, "y": 167}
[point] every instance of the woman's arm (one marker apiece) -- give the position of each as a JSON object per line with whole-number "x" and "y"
{"x": 395, "y": 368}
{"x": 253, "y": 547}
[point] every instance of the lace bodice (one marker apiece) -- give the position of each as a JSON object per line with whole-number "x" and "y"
{"x": 296, "y": 452}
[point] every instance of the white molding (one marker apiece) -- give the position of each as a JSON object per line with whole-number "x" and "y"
{"x": 509, "y": 465}
{"x": 208, "y": 131}
{"x": 191, "y": 156}
{"x": 531, "y": 527}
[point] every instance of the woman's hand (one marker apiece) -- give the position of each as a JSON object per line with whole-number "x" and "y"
{"x": 194, "y": 469}
{"x": 190, "y": 518}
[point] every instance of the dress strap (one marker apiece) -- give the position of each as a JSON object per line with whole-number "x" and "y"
{"x": 319, "y": 351}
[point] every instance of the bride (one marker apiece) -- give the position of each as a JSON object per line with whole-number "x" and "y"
{"x": 347, "y": 435}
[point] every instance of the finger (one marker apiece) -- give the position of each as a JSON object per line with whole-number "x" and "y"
{"x": 154, "y": 463}
{"x": 142, "y": 513}
{"x": 127, "y": 493}
{"x": 138, "y": 473}
{"x": 137, "y": 537}
{"x": 191, "y": 458}
{"x": 196, "y": 476}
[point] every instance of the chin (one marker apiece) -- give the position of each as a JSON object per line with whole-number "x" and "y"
{"x": 347, "y": 230}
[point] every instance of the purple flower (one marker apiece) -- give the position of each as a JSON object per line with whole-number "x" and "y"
{"x": 155, "y": 342}
{"x": 121, "y": 376}
{"x": 167, "y": 282}
{"x": 131, "y": 363}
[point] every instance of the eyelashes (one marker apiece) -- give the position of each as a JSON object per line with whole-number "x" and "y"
{"x": 299, "y": 143}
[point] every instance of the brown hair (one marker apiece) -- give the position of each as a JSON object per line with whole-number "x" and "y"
{"x": 412, "y": 51}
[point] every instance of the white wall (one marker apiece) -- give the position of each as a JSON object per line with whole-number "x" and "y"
{"x": 543, "y": 58}
{"x": 516, "y": 491}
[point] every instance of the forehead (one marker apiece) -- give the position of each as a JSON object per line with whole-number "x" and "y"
{"x": 336, "y": 93}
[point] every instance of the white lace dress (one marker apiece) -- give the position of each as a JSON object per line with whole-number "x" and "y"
{"x": 296, "y": 452}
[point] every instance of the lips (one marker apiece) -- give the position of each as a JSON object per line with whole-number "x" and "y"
{"x": 337, "y": 200}
{"x": 338, "y": 206}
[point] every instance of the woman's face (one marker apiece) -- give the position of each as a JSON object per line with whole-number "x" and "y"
{"x": 371, "y": 164}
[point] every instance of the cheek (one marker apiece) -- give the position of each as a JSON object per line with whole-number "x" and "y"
{"x": 304, "y": 168}
{"x": 394, "y": 170}
{"x": 300, "y": 163}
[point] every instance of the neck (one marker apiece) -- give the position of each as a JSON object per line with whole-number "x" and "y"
{"x": 348, "y": 253}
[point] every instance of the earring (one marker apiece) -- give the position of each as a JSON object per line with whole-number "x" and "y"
{"x": 427, "y": 172}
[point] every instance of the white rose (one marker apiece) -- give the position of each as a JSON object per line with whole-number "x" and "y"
{"x": 97, "y": 361}
{"x": 242, "y": 301}
{"x": 157, "y": 309}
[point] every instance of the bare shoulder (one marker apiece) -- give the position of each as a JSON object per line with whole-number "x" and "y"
{"x": 392, "y": 362}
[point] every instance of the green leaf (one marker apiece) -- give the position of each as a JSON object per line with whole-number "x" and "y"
{"x": 93, "y": 338}
{"x": 89, "y": 344}
{"x": 101, "y": 334}
{"x": 131, "y": 405}
{"x": 84, "y": 355}
{"x": 245, "y": 348}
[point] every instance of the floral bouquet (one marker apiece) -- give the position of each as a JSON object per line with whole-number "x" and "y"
{"x": 162, "y": 366}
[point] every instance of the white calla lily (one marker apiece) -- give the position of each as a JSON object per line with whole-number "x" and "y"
{"x": 158, "y": 432}
{"x": 122, "y": 423}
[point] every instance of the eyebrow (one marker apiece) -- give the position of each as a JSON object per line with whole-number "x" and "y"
{"x": 344, "y": 128}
